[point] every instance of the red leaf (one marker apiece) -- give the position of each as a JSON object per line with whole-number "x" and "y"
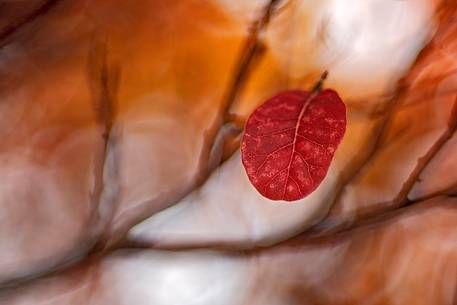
{"x": 290, "y": 140}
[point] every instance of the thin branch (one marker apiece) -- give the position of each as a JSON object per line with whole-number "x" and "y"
{"x": 328, "y": 225}
{"x": 446, "y": 191}
{"x": 250, "y": 54}
{"x": 252, "y": 50}
{"x": 104, "y": 83}
{"x": 376, "y": 140}
{"x": 402, "y": 197}
{"x": 422, "y": 162}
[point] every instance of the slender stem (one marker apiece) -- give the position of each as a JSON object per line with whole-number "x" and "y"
{"x": 318, "y": 86}
{"x": 422, "y": 162}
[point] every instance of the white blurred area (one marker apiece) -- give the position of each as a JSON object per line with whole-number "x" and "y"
{"x": 228, "y": 211}
{"x": 161, "y": 277}
{"x": 366, "y": 45}
{"x": 244, "y": 11}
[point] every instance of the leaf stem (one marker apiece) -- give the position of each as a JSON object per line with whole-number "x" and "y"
{"x": 318, "y": 86}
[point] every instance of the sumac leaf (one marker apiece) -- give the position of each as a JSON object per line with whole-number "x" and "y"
{"x": 289, "y": 142}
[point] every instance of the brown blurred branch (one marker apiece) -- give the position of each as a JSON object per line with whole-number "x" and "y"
{"x": 252, "y": 50}
{"x": 422, "y": 162}
{"x": 225, "y": 124}
{"x": 450, "y": 190}
{"x": 402, "y": 197}
{"x": 104, "y": 83}
{"x": 374, "y": 144}
{"x": 12, "y": 28}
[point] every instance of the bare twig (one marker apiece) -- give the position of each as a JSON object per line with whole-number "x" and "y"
{"x": 422, "y": 162}
{"x": 402, "y": 197}
{"x": 329, "y": 225}
{"x": 104, "y": 82}
{"x": 446, "y": 191}
{"x": 252, "y": 50}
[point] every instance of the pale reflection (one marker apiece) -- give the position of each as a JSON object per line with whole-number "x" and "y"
{"x": 161, "y": 277}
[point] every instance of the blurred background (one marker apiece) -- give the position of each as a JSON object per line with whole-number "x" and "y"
{"x": 120, "y": 175}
